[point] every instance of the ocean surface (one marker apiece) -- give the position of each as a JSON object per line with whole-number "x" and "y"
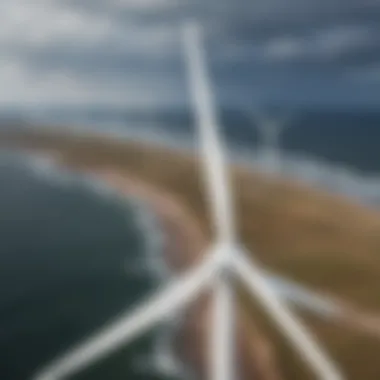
{"x": 72, "y": 256}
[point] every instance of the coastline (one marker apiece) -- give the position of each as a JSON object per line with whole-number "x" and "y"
{"x": 185, "y": 245}
{"x": 309, "y": 235}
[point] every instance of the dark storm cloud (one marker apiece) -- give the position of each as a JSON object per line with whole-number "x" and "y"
{"x": 110, "y": 43}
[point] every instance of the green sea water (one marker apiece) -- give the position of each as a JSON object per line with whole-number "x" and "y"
{"x": 64, "y": 259}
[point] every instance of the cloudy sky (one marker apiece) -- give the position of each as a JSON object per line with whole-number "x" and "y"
{"x": 127, "y": 53}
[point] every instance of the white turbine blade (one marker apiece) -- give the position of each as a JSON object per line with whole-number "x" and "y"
{"x": 305, "y": 298}
{"x": 132, "y": 324}
{"x": 206, "y": 118}
{"x": 323, "y": 306}
{"x": 304, "y": 342}
{"x": 222, "y": 333}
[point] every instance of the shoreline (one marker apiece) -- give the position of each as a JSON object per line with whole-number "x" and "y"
{"x": 338, "y": 179}
{"x": 184, "y": 247}
{"x": 322, "y": 240}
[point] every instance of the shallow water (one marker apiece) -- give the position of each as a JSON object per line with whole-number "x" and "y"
{"x": 65, "y": 252}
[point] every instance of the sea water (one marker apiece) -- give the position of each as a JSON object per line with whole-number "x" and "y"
{"x": 73, "y": 255}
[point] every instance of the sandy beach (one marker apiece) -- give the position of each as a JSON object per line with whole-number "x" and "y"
{"x": 186, "y": 244}
{"x": 324, "y": 241}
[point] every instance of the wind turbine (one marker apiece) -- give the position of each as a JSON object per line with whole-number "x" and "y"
{"x": 270, "y": 129}
{"x": 224, "y": 260}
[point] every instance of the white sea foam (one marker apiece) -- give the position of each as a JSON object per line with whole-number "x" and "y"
{"x": 161, "y": 360}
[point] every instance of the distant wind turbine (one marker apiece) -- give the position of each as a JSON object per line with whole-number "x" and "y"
{"x": 270, "y": 129}
{"x": 225, "y": 259}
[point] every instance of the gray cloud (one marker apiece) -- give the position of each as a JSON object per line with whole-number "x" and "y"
{"x": 128, "y": 50}
{"x": 53, "y": 52}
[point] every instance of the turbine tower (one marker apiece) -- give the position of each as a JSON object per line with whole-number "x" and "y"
{"x": 270, "y": 129}
{"x": 225, "y": 259}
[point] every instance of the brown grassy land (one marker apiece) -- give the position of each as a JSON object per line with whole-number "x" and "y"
{"x": 314, "y": 237}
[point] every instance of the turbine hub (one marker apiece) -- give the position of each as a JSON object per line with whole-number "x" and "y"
{"x": 225, "y": 269}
